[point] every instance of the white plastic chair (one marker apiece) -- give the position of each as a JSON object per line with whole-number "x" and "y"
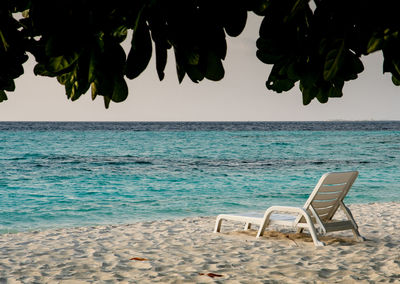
{"x": 316, "y": 214}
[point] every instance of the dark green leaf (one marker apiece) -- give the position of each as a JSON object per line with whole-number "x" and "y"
{"x": 93, "y": 90}
{"x": 308, "y": 93}
{"x": 106, "y": 101}
{"x": 293, "y": 72}
{"x": 54, "y": 46}
{"x": 140, "y": 53}
{"x": 268, "y": 58}
{"x": 60, "y": 64}
{"x": 104, "y": 85}
{"x": 9, "y": 86}
{"x": 396, "y": 68}
{"x": 3, "y": 96}
{"x": 120, "y": 92}
{"x": 322, "y": 96}
{"x": 40, "y": 69}
{"x": 158, "y": 28}
{"x": 351, "y": 67}
{"x": 120, "y": 33}
{"x": 335, "y": 92}
{"x": 336, "y": 88}
{"x": 193, "y": 57}
{"x": 323, "y": 89}
{"x": 161, "y": 60}
{"x": 69, "y": 86}
{"x": 218, "y": 40}
{"x": 269, "y": 51}
{"x": 279, "y": 85}
{"x": 194, "y": 73}
{"x": 258, "y": 6}
{"x": 374, "y": 44}
{"x": 180, "y": 70}
{"x": 62, "y": 79}
{"x": 322, "y": 46}
{"x": 235, "y": 21}
{"x": 309, "y": 79}
{"x": 92, "y": 66}
{"x": 333, "y": 61}
{"x": 390, "y": 34}
{"x": 214, "y": 71}
{"x": 356, "y": 64}
{"x": 298, "y": 7}
{"x": 395, "y": 81}
{"x": 278, "y": 80}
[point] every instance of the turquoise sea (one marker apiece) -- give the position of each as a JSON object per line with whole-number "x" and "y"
{"x": 62, "y": 174}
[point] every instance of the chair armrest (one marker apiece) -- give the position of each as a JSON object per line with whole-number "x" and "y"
{"x": 288, "y": 209}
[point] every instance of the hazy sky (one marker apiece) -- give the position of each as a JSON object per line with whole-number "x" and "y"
{"x": 240, "y": 96}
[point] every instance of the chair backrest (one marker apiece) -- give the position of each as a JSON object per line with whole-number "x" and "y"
{"x": 328, "y": 194}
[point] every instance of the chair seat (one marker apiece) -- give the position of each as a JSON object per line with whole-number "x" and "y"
{"x": 257, "y": 218}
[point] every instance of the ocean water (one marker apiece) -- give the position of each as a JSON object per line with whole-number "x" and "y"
{"x": 81, "y": 174}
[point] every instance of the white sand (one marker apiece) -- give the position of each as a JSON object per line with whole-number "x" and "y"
{"x": 186, "y": 250}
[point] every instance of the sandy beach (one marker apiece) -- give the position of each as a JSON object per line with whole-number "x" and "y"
{"x": 187, "y": 251}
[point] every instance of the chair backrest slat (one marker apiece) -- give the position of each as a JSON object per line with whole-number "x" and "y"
{"x": 327, "y": 196}
{"x": 332, "y": 188}
{"x": 323, "y": 204}
{"x": 328, "y": 193}
{"x": 338, "y": 178}
{"x": 324, "y": 211}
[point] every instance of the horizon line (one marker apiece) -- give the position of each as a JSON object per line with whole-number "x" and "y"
{"x": 200, "y": 121}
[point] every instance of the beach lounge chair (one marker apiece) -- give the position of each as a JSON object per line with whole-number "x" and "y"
{"x": 316, "y": 214}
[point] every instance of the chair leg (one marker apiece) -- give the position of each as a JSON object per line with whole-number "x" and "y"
{"x": 218, "y": 224}
{"x": 357, "y": 235}
{"x": 300, "y": 230}
{"x": 312, "y": 230}
{"x": 261, "y": 230}
{"x": 247, "y": 226}
{"x": 314, "y": 236}
{"x": 349, "y": 215}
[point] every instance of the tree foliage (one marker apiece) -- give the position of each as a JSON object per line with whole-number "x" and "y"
{"x": 317, "y": 44}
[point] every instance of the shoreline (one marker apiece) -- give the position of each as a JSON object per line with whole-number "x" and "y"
{"x": 186, "y": 250}
{"x": 132, "y": 222}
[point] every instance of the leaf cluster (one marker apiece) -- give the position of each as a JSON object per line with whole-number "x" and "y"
{"x": 321, "y": 48}
{"x": 12, "y": 51}
{"x": 317, "y": 44}
{"x": 79, "y": 41}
